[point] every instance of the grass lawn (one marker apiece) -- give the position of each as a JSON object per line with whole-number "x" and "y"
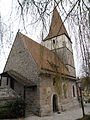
{"x": 87, "y": 117}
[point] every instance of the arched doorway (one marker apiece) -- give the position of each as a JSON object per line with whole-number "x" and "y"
{"x": 55, "y": 103}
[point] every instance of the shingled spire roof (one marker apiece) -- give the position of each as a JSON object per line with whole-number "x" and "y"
{"x": 57, "y": 27}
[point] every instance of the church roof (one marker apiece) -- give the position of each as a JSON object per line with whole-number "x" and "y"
{"x": 45, "y": 59}
{"x": 57, "y": 26}
{"x": 18, "y": 77}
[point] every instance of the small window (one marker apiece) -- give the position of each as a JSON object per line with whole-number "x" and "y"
{"x": 33, "y": 88}
{"x": 53, "y": 41}
{"x": 7, "y": 80}
{"x": 12, "y": 83}
{"x": 65, "y": 90}
{"x": 73, "y": 91}
{"x": 0, "y": 80}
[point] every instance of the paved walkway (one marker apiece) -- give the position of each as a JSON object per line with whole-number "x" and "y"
{"x": 72, "y": 114}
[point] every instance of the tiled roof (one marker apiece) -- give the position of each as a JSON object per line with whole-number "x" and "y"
{"x": 57, "y": 27}
{"x": 43, "y": 57}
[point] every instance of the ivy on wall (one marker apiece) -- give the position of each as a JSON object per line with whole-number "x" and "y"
{"x": 58, "y": 84}
{"x": 65, "y": 90}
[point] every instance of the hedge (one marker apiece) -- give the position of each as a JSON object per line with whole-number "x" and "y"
{"x": 13, "y": 109}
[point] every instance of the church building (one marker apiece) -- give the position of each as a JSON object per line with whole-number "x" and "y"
{"x": 43, "y": 75}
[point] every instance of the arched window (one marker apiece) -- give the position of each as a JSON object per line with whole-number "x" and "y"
{"x": 53, "y": 41}
{"x": 73, "y": 91}
{"x": 65, "y": 90}
{"x": 55, "y": 103}
{"x": 0, "y": 82}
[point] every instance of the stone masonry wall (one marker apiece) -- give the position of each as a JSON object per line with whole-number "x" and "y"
{"x": 47, "y": 90}
{"x": 70, "y": 100}
{"x": 67, "y": 57}
{"x": 32, "y": 101}
{"x": 19, "y": 89}
{"x": 63, "y": 48}
{"x": 58, "y": 43}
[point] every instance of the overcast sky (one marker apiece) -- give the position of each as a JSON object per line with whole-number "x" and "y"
{"x": 5, "y": 6}
{"x": 32, "y": 32}
{"x": 5, "y": 10}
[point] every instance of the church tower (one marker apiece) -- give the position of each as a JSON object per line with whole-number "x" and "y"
{"x": 59, "y": 42}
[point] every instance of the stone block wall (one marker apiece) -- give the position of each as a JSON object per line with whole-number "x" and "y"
{"x": 32, "y": 100}
{"x": 47, "y": 91}
{"x": 58, "y": 42}
{"x": 7, "y": 94}
{"x": 71, "y": 99}
{"x": 19, "y": 89}
{"x": 67, "y": 58}
{"x": 65, "y": 55}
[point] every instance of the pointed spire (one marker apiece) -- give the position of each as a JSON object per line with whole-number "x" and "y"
{"x": 57, "y": 27}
